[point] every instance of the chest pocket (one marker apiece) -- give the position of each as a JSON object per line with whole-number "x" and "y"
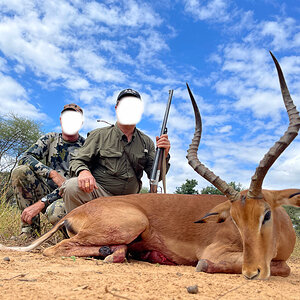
{"x": 141, "y": 161}
{"x": 111, "y": 160}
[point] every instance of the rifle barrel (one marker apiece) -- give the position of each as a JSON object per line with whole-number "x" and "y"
{"x": 164, "y": 124}
{"x": 160, "y": 151}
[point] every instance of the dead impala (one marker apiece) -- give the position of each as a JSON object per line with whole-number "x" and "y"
{"x": 246, "y": 232}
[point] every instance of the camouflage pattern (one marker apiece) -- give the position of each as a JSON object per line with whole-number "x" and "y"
{"x": 31, "y": 182}
{"x": 55, "y": 211}
{"x": 56, "y": 153}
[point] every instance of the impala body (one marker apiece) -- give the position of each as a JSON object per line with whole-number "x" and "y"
{"x": 242, "y": 232}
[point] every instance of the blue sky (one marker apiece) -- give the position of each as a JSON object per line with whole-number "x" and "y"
{"x": 56, "y": 52}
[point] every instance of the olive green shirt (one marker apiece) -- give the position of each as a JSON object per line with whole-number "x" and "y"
{"x": 103, "y": 154}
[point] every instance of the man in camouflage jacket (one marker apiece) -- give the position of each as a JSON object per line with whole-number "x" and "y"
{"x": 40, "y": 173}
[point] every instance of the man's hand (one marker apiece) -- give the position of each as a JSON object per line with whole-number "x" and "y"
{"x": 31, "y": 211}
{"x": 56, "y": 177}
{"x": 86, "y": 181}
{"x": 163, "y": 142}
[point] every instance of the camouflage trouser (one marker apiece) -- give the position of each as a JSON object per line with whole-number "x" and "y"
{"x": 29, "y": 188}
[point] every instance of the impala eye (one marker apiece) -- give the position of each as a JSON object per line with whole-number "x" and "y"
{"x": 267, "y": 216}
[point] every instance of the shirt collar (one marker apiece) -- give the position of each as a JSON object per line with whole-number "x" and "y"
{"x": 121, "y": 134}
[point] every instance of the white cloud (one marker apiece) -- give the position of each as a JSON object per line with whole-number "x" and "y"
{"x": 89, "y": 95}
{"x": 261, "y": 103}
{"x": 14, "y": 99}
{"x": 19, "y": 41}
{"x": 286, "y": 170}
{"x": 150, "y": 45}
{"x": 18, "y": 6}
{"x": 77, "y": 83}
{"x": 3, "y": 65}
{"x": 250, "y": 78}
{"x": 213, "y": 10}
{"x": 296, "y": 40}
{"x": 280, "y": 32}
{"x": 118, "y": 51}
{"x": 225, "y": 129}
{"x": 95, "y": 67}
{"x": 123, "y": 13}
{"x": 92, "y": 113}
{"x": 49, "y": 37}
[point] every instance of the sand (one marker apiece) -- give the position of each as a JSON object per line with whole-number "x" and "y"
{"x": 34, "y": 276}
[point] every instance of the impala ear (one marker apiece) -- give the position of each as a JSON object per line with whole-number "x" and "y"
{"x": 218, "y": 214}
{"x": 293, "y": 199}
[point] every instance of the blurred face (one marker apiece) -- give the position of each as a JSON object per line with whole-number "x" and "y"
{"x": 71, "y": 122}
{"x": 129, "y": 110}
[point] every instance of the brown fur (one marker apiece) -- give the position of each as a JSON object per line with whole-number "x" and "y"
{"x": 165, "y": 223}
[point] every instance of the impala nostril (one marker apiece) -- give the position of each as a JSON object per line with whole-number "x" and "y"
{"x": 252, "y": 275}
{"x": 258, "y": 271}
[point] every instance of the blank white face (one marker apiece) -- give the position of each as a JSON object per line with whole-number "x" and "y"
{"x": 129, "y": 110}
{"x": 71, "y": 121}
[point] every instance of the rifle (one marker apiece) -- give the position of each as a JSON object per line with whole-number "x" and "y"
{"x": 159, "y": 160}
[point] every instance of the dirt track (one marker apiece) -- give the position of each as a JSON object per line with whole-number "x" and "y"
{"x": 33, "y": 276}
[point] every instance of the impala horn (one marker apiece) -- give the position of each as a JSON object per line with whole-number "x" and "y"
{"x": 255, "y": 190}
{"x": 194, "y": 162}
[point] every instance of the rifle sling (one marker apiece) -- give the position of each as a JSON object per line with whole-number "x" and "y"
{"x": 133, "y": 169}
{"x": 163, "y": 172}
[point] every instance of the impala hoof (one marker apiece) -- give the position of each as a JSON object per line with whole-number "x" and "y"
{"x": 202, "y": 265}
{"x": 109, "y": 259}
{"x": 114, "y": 259}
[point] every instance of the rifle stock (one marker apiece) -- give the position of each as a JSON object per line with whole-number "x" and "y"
{"x": 160, "y": 152}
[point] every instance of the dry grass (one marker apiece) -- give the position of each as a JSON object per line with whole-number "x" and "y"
{"x": 9, "y": 220}
{"x": 10, "y": 224}
{"x": 296, "y": 252}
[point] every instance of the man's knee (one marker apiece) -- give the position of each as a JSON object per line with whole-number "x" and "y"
{"x": 55, "y": 211}
{"x": 20, "y": 173}
{"x": 69, "y": 188}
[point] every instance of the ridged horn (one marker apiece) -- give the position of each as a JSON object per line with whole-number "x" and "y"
{"x": 194, "y": 162}
{"x": 255, "y": 190}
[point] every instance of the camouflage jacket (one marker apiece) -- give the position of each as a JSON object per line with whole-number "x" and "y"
{"x": 51, "y": 152}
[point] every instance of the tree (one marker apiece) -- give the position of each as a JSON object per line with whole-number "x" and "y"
{"x": 294, "y": 213}
{"x": 188, "y": 187}
{"x": 211, "y": 190}
{"x": 16, "y": 135}
{"x": 144, "y": 190}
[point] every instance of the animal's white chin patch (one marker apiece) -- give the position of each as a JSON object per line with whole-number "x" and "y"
{"x": 129, "y": 110}
{"x": 71, "y": 121}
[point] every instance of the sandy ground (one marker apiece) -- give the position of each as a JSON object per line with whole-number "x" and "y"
{"x": 33, "y": 276}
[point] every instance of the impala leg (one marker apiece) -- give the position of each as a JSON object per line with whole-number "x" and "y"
{"x": 113, "y": 254}
{"x": 280, "y": 268}
{"x": 71, "y": 247}
{"x": 222, "y": 256}
{"x": 116, "y": 225}
{"x": 207, "y": 266}
{"x": 118, "y": 254}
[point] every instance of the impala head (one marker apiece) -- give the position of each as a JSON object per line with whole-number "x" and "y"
{"x": 252, "y": 210}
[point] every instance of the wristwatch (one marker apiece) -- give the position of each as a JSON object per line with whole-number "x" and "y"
{"x": 45, "y": 201}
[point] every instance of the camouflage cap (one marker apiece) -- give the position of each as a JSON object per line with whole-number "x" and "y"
{"x": 72, "y": 106}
